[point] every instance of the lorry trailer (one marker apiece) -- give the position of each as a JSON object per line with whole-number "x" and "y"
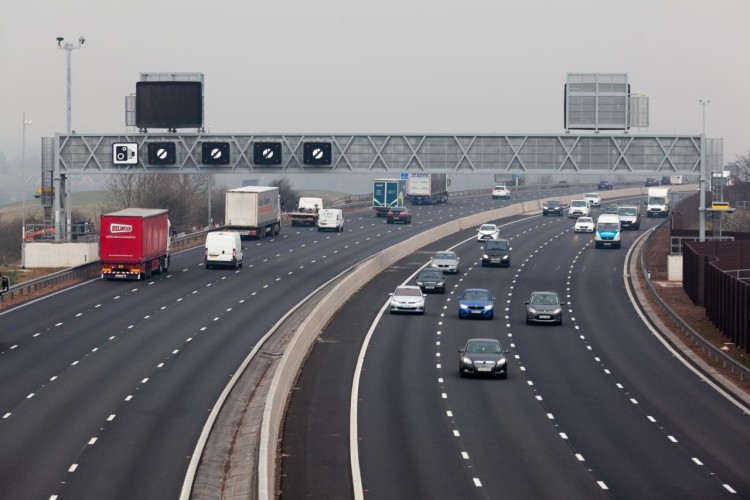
{"x": 307, "y": 211}
{"x": 427, "y": 188}
{"x": 386, "y": 194}
{"x": 134, "y": 243}
{"x": 253, "y": 211}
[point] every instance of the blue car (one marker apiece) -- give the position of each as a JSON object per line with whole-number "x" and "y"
{"x": 476, "y": 303}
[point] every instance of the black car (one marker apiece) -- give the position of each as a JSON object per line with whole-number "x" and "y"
{"x": 399, "y": 214}
{"x": 496, "y": 253}
{"x": 552, "y": 207}
{"x": 431, "y": 279}
{"x": 483, "y": 357}
{"x": 652, "y": 181}
{"x": 604, "y": 185}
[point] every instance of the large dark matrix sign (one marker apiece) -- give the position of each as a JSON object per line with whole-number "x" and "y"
{"x": 169, "y": 105}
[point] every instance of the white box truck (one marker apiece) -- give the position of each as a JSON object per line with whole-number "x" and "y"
{"x": 657, "y": 204}
{"x": 307, "y": 211}
{"x": 253, "y": 211}
{"x": 427, "y": 188}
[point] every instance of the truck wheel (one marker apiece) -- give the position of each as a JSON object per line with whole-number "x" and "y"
{"x": 166, "y": 264}
{"x": 276, "y": 228}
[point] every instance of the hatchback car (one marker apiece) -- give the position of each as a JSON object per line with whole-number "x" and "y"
{"x": 407, "y": 298}
{"x": 594, "y": 199}
{"x": 552, "y": 207}
{"x": 496, "y": 253}
{"x": 431, "y": 279}
{"x": 501, "y": 191}
{"x": 488, "y": 232}
{"x": 584, "y": 225}
{"x": 544, "y": 307}
{"x": 476, "y": 303}
{"x": 399, "y": 214}
{"x": 446, "y": 261}
{"x": 483, "y": 357}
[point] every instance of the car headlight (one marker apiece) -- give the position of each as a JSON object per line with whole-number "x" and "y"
{"x": 532, "y": 310}
{"x": 557, "y": 311}
{"x": 420, "y": 283}
{"x": 487, "y": 308}
{"x": 463, "y": 306}
{"x": 466, "y": 361}
{"x": 506, "y": 257}
{"x": 441, "y": 283}
{"x": 502, "y": 362}
{"x": 485, "y": 256}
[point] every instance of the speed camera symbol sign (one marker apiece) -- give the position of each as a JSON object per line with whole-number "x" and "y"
{"x": 215, "y": 153}
{"x": 125, "y": 153}
{"x": 268, "y": 153}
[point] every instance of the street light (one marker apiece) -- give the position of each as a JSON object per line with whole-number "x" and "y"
{"x": 23, "y": 191}
{"x": 702, "y": 180}
{"x": 68, "y": 47}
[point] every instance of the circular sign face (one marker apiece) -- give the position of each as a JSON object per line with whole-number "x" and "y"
{"x": 268, "y": 153}
{"x": 216, "y": 153}
{"x": 161, "y": 153}
{"x": 317, "y": 153}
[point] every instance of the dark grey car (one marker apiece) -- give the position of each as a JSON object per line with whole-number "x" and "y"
{"x": 483, "y": 357}
{"x": 431, "y": 279}
{"x": 544, "y": 307}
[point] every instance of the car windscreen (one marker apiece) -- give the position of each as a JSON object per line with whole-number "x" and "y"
{"x": 579, "y": 203}
{"x": 484, "y": 348}
{"x": 497, "y": 245}
{"x": 553, "y": 203}
{"x": 476, "y": 296}
{"x": 430, "y": 274}
{"x": 445, "y": 256}
{"x": 544, "y": 300}
{"x": 408, "y": 292}
{"x": 627, "y": 211}
{"x": 585, "y": 220}
{"x": 487, "y": 227}
{"x": 607, "y": 226}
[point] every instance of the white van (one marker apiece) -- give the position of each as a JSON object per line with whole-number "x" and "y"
{"x": 331, "y": 218}
{"x": 579, "y": 208}
{"x": 607, "y": 232}
{"x": 223, "y": 248}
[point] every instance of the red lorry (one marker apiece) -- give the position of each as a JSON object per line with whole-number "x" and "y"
{"x": 134, "y": 242}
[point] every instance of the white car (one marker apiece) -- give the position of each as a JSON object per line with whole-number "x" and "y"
{"x": 407, "y": 298}
{"x": 584, "y": 225}
{"x": 501, "y": 191}
{"x": 579, "y": 208}
{"x": 593, "y": 198}
{"x": 487, "y": 232}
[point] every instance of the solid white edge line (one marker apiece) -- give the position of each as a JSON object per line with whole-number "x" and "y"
{"x": 677, "y": 354}
{"x": 187, "y": 485}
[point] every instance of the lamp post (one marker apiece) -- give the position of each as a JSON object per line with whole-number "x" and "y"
{"x": 702, "y": 180}
{"x": 68, "y": 47}
{"x": 23, "y": 191}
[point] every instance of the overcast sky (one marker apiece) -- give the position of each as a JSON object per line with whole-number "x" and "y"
{"x": 381, "y": 66}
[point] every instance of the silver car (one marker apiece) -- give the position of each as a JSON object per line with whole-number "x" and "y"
{"x": 544, "y": 307}
{"x": 407, "y": 298}
{"x": 446, "y": 261}
{"x": 488, "y": 232}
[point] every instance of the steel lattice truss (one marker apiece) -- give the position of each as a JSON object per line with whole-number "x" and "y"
{"x": 378, "y": 154}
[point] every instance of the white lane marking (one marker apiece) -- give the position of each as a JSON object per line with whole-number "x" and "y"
{"x": 456, "y": 433}
{"x": 144, "y": 380}
{"x": 602, "y": 485}
{"x": 7, "y": 415}
{"x": 477, "y": 482}
{"x": 175, "y": 351}
{"x": 59, "y": 324}
{"x": 54, "y": 377}
{"x": 652, "y": 419}
{"x": 129, "y": 397}
{"x": 550, "y": 416}
{"x": 92, "y": 441}
{"x": 449, "y": 413}
{"x": 580, "y": 457}
{"x": 111, "y": 417}
{"x": 73, "y": 468}
{"x": 160, "y": 365}
{"x": 74, "y": 363}
{"x": 464, "y": 455}
{"x": 728, "y": 488}
{"x": 13, "y": 347}
{"x": 79, "y": 315}
{"x": 563, "y": 435}
{"x": 672, "y": 438}
{"x": 634, "y": 401}
{"x": 444, "y": 396}
{"x": 698, "y": 462}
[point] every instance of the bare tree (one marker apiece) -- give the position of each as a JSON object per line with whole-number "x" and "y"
{"x": 743, "y": 162}
{"x": 286, "y": 193}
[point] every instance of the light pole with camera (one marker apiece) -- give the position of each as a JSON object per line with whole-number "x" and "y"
{"x": 23, "y": 191}
{"x": 69, "y": 47}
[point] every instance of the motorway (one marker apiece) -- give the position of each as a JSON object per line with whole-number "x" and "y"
{"x": 595, "y": 408}
{"x": 107, "y": 385}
